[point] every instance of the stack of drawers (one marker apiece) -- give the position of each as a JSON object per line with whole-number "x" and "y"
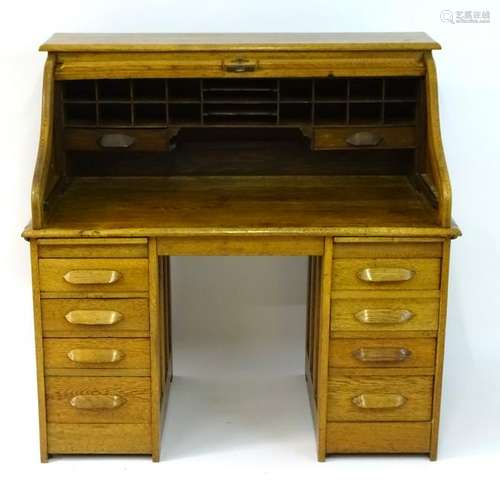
{"x": 383, "y": 340}
{"x": 95, "y": 337}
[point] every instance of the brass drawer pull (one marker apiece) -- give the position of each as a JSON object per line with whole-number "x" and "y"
{"x": 385, "y": 274}
{"x": 364, "y": 138}
{"x": 116, "y": 140}
{"x": 89, "y": 355}
{"x": 383, "y": 316}
{"x": 93, "y": 317}
{"x": 381, "y": 355}
{"x": 239, "y": 65}
{"x": 379, "y": 400}
{"x": 92, "y": 276}
{"x": 97, "y": 402}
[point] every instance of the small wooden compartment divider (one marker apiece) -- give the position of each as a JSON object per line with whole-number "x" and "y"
{"x": 222, "y": 101}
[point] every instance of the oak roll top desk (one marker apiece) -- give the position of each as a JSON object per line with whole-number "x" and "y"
{"x": 319, "y": 145}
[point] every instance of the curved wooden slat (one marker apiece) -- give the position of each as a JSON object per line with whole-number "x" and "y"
{"x": 41, "y": 183}
{"x": 435, "y": 144}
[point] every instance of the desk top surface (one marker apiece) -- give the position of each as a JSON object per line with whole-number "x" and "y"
{"x": 157, "y": 42}
{"x": 291, "y": 205}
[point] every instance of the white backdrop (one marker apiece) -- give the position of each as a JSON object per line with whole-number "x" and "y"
{"x": 252, "y": 421}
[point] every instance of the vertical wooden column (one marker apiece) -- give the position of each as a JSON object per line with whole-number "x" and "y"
{"x": 155, "y": 333}
{"x": 323, "y": 346}
{"x": 40, "y": 370}
{"x": 438, "y": 377}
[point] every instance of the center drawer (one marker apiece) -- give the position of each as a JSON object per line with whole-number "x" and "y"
{"x": 382, "y": 398}
{"x": 108, "y": 353}
{"x": 98, "y": 399}
{"x": 93, "y": 275}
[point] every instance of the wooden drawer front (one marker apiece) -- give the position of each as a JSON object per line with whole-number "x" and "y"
{"x": 93, "y": 275}
{"x": 349, "y": 274}
{"x": 98, "y": 399}
{"x": 93, "y": 65}
{"x": 402, "y": 314}
{"x": 397, "y": 248}
{"x": 98, "y": 438}
{"x": 363, "y": 138}
{"x": 378, "y": 437}
{"x": 96, "y": 353}
{"x": 379, "y": 398}
{"x": 382, "y": 353}
{"x": 122, "y": 140}
{"x": 93, "y": 248}
{"x": 94, "y": 317}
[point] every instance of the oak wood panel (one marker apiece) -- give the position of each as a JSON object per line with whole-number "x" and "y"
{"x": 440, "y": 351}
{"x": 404, "y": 372}
{"x": 246, "y": 203}
{"x": 97, "y": 438}
{"x": 420, "y": 231}
{"x": 343, "y": 353}
{"x": 416, "y": 392}
{"x": 426, "y": 274}
{"x": 134, "y": 317}
{"x": 91, "y": 65}
{"x": 45, "y": 175}
{"x": 40, "y": 376}
{"x": 378, "y": 437}
{"x": 425, "y": 314}
{"x": 436, "y": 155}
{"x": 136, "y": 392}
{"x": 132, "y": 352}
{"x": 92, "y": 248}
{"x": 283, "y": 246}
{"x": 359, "y": 248}
{"x": 158, "y": 42}
{"x": 133, "y": 274}
{"x": 324, "y": 306}
{"x": 155, "y": 353}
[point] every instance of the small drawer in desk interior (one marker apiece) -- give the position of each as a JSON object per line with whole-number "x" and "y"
{"x": 93, "y": 275}
{"x": 353, "y": 274}
{"x": 109, "y": 353}
{"x": 364, "y": 138}
{"x": 123, "y": 140}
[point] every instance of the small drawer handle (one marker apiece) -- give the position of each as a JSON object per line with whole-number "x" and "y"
{"x": 364, "y": 138}
{"x": 379, "y": 400}
{"x": 239, "y": 65}
{"x": 383, "y": 316}
{"x": 97, "y": 402}
{"x": 381, "y": 355}
{"x": 385, "y": 274}
{"x": 89, "y": 355}
{"x": 92, "y": 276}
{"x": 116, "y": 140}
{"x": 89, "y": 317}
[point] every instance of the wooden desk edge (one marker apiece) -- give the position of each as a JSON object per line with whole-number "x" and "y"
{"x": 451, "y": 232}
